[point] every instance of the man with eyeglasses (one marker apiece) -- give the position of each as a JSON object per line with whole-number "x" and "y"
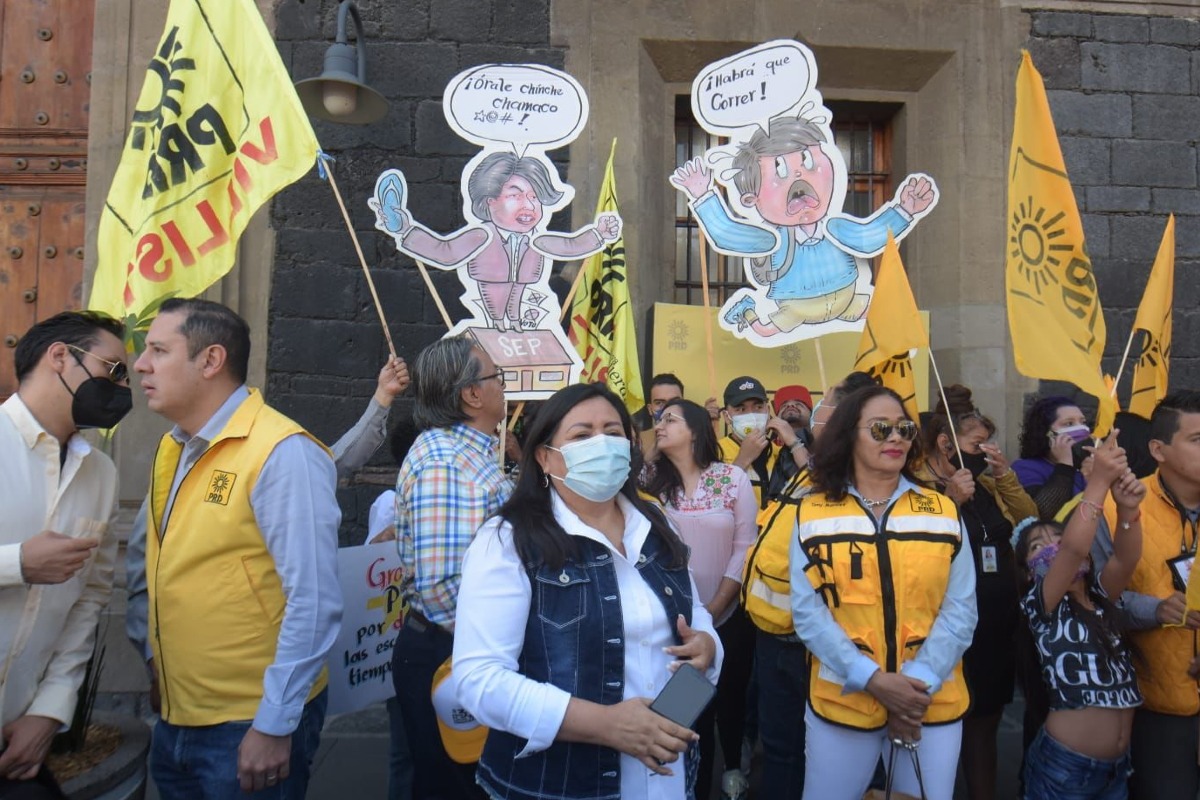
{"x": 57, "y": 545}
{"x": 449, "y": 483}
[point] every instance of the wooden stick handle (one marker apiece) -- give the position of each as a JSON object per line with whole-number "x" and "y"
{"x": 708, "y": 334}
{"x": 387, "y": 334}
{"x": 942, "y": 391}
{"x": 1124, "y": 358}
{"x": 437, "y": 300}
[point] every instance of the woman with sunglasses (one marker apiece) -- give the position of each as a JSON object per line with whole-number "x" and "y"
{"x": 713, "y": 507}
{"x": 976, "y": 476}
{"x": 883, "y": 596}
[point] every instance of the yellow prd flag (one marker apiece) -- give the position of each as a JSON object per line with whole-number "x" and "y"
{"x": 601, "y": 315}
{"x": 893, "y": 330}
{"x": 1154, "y": 317}
{"x": 216, "y": 132}
{"x": 1054, "y": 314}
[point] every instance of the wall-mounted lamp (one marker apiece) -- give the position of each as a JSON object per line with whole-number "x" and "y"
{"x": 340, "y": 93}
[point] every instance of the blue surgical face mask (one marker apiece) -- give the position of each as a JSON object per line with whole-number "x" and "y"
{"x": 597, "y": 468}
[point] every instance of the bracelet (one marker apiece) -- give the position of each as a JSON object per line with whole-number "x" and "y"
{"x": 1129, "y": 522}
{"x": 1096, "y": 508}
{"x": 795, "y": 444}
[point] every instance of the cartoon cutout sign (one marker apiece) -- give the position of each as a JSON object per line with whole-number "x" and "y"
{"x": 516, "y": 112}
{"x": 786, "y": 182}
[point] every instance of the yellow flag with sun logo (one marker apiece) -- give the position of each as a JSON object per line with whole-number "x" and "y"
{"x": 217, "y": 130}
{"x": 893, "y": 330}
{"x": 1054, "y": 315}
{"x": 1154, "y": 319}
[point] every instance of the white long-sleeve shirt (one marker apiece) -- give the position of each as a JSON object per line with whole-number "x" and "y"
{"x": 493, "y": 607}
{"x": 47, "y": 631}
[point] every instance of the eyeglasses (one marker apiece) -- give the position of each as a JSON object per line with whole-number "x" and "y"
{"x": 118, "y": 371}
{"x": 669, "y": 417}
{"x": 880, "y": 430}
{"x": 499, "y": 375}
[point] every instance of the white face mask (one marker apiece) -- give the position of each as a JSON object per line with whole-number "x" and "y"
{"x": 597, "y": 468}
{"x": 746, "y": 424}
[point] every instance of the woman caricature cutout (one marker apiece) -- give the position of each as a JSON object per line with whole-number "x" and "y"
{"x": 503, "y": 255}
{"x": 785, "y": 183}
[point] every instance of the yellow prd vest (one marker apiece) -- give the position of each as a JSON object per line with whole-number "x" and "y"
{"x": 728, "y": 448}
{"x": 1165, "y": 652}
{"x": 216, "y": 601}
{"x": 766, "y": 576}
{"x": 884, "y": 589}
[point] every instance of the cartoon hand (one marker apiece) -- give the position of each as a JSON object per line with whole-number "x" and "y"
{"x": 388, "y": 205}
{"x": 917, "y": 195}
{"x": 693, "y": 178}
{"x": 609, "y": 227}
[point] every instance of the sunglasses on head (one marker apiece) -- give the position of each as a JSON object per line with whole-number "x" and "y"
{"x": 880, "y": 430}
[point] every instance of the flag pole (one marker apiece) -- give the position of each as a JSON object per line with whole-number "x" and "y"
{"x": 433, "y": 291}
{"x": 1124, "y": 358}
{"x": 362, "y": 260}
{"x": 708, "y": 334}
{"x": 820, "y": 364}
{"x": 942, "y": 391}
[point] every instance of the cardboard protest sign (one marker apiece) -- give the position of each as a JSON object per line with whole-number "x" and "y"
{"x": 360, "y": 663}
{"x": 784, "y": 185}
{"x": 504, "y": 253}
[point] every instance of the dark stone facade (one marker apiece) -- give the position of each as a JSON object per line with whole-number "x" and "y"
{"x": 1123, "y": 91}
{"x": 325, "y": 341}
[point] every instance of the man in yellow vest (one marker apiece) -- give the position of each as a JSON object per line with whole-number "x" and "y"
{"x": 241, "y": 566}
{"x": 57, "y": 545}
{"x": 748, "y": 444}
{"x": 1166, "y": 729}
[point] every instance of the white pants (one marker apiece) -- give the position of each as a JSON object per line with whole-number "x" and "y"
{"x": 839, "y": 762}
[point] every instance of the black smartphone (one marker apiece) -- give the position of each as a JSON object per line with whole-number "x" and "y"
{"x": 685, "y": 696}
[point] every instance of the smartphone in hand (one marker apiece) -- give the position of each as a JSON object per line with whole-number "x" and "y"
{"x": 685, "y": 696}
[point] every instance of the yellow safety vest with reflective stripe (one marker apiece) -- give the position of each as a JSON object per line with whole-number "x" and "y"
{"x": 767, "y": 576}
{"x": 884, "y": 587}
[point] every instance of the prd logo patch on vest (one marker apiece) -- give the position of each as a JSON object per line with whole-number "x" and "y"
{"x": 924, "y": 504}
{"x": 220, "y": 486}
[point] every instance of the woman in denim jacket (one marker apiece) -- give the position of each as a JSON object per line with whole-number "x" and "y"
{"x": 576, "y": 605}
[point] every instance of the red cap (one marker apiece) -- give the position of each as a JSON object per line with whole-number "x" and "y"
{"x": 786, "y": 393}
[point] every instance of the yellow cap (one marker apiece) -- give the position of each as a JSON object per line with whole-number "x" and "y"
{"x": 462, "y": 735}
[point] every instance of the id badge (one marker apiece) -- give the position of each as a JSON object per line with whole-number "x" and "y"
{"x": 989, "y": 558}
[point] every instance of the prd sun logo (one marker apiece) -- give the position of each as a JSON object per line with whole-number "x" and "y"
{"x": 1033, "y": 232}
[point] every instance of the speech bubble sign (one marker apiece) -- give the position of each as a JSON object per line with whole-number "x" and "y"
{"x": 753, "y": 86}
{"x": 521, "y": 105}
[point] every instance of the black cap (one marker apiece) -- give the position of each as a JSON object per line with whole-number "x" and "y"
{"x": 742, "y": 389}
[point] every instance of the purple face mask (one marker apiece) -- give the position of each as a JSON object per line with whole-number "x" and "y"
{"x": 1078, "y": 433}
{"x": 1039, "y": 563}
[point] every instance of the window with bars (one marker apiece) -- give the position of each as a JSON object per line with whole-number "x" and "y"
{"x": 862, "y": 131}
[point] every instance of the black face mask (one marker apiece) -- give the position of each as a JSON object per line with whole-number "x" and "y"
{"x": 975, "y": 462}
{"x": 99, "y": 403}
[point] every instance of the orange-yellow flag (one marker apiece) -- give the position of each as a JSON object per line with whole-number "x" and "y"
{"x": 1154, "y": 318}
{"x": 1054, "y": 315}
{"x": 602, "y": 328}
{"x": 216, "y": 132}
{"x": 893, "y": 330}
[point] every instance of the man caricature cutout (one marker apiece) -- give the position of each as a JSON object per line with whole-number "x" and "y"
{"x": 503, "y": 255}
{"x": 786, "y": 183}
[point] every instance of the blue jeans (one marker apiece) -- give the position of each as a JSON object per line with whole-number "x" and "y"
{"x": 200, "y": 763}
{"x": 400, "y": 763}
{"x": 1053, "y": 771}
{"x": 782, "y": 692}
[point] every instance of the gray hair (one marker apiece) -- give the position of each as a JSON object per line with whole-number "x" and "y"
{"x": 442, "y": 371}
{"x": 493, "y": 172}
{"x": 788, "y": 134}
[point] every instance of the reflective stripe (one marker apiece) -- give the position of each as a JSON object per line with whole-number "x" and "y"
{"x": 777, "y": 600}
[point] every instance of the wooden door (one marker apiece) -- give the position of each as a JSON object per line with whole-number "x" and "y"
{"x": 45, "y": 83}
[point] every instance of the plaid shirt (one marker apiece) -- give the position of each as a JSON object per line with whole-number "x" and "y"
{"x": 449, "y": 484}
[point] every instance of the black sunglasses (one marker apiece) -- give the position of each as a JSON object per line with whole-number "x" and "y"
{"x": 118, "y": 371}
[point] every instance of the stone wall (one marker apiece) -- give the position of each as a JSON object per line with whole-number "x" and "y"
{"x": 1123, "y": 91}
{"x": 325, "y": 342}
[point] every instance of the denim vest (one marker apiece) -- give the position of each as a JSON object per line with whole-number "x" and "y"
{"x": 574, "y": 639}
